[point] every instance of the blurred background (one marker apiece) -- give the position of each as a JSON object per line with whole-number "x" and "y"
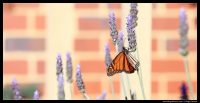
{"x": 31, "y": 39}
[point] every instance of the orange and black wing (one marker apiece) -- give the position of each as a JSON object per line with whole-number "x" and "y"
{"x": 119, "y": 64}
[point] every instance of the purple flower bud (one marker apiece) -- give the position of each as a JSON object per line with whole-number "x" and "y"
{"x": 102, "y": 96}
{"x": 79, "y": 80}
{"x": 107, "y": 56}
{"x": 113, "y": 28}
{"x": 36, "y": 95}
{"x": 69, "y": 68}
{"x": 120, "y": 42}
{"x": 59, "y": 64}
{"x": 15, "y": 90}
{"x": 61, "y": 92}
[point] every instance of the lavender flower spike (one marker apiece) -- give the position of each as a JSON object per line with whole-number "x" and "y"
{"x": 107, "y": 56}
{"x": 113, "y": 28}
{"x": 59, "y": 67}
{"x": 69, "y": 68}
{"x": 79, "y": 80}
{"x": 131, "y": 24}
{"x": 36, "y": 95}
{"x": 61, "y": 93}
{"x": 120, "y": 42}
{"x": 15, "y": 90}
{"x": 183, "y": 33}
{"x": 102, "y": 96}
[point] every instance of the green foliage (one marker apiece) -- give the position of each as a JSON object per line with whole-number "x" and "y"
{"x": 26, "y": 91}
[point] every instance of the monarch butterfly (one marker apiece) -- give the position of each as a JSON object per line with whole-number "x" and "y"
{"x": 124, "y": 61}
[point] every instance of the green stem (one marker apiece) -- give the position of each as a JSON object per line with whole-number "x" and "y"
{"x": 123, "y": 86}
{"x": 188, "y": 76}
{"x": 86, "y": 96}
{"x": 70, "y": 84}
{"x": 140, "y": 76}
{"x": 129, "y": 85}
{"x": 121, "y": 78}
{"x": 141, "y": 85}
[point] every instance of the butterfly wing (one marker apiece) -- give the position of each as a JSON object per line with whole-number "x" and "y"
{"x": 133, "y": 61}
{"x": 120, "y": 63}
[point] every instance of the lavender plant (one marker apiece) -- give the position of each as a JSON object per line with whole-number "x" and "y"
{"x": 102, "y": 96}
{"x": 69, "y": 71}
{"x": 36, "y": 95}
{"x": 59, "y": 67}
{"x": 116, "y": 40}
{"x": 120, "y": 48}
{"x": 80, "y": 83}
{"x": 120, "y": 45}
{"x": 107, "y": 56}
{"x": 131, "y": 24}
{"x": 113, "y": 28}
{"x": 120, "y": 42}
{"x": 183, "y": 47}
{"x": 61, "y": 93}
{"x": 183, "y": 33}
{"x": 16, "y": 90}
{"x": 108, "y": 62}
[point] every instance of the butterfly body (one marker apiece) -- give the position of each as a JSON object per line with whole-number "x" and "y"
{"x": 123, "y": 62}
